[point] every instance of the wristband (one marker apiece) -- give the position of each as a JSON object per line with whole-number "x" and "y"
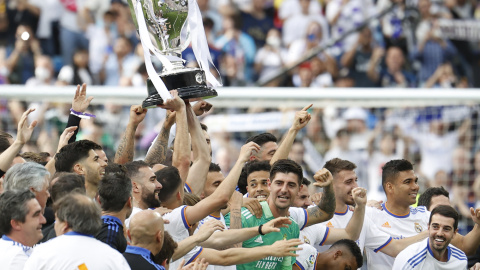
{"x": 82, "y": 115}
{"x": 260, "y": 230}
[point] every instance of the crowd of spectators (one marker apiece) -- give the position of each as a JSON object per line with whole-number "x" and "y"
{"x": 95, "y": 41}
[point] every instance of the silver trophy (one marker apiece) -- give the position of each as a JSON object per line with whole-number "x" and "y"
{"x": 164, "y": 30}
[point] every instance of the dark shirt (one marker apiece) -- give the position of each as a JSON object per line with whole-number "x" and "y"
{"x": 111, "y": 233}
{"x": 257, "y": 28}
{"x": 140, "y": 259}
{"x": 48, "y": 233}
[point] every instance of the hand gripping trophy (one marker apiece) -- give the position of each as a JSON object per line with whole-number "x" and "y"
{"x": 166, "y": 28}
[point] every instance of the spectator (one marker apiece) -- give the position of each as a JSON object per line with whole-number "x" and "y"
{"x": 79, "y": 73}
{"x": 270, "y": 58}
{"x": 257, "y": 21}
{"x": 394, "y": 73}
{"x": 72, "y": 30}
{"x": 48, "y": 26}
{"x": 44, "y": 73}
{"x": 20, "y": 61}
{"x": 120, "y": 64}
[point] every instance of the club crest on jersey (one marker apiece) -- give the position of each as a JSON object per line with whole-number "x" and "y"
{"x": 306, "y": 240}
{"x": 284, "y": 236}
{"x": 418, "y": 227}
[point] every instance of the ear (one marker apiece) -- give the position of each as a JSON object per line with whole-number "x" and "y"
{"x": 128, "y": 234}
{"x": 178, "y": 195}
{"x": 97, "y": 198}
{"x": 164, "y": 263}
{"x": 78, "y": 169}
{"x": 16, "y": 225}
{"x": 129, "y": 204}
{"x": 337, "y": 254}
{"x": 135, "y": 187}
{"x": 269, "y": 183}
{"x": 252, "y": 158}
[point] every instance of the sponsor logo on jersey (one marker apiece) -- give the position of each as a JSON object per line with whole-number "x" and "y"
{"x": 311, "y": 259}
{"x": 259, "y": 240}
{"x": 329, "y": 224}
{"x": 386, "y": 225}
{"x": 82, "y": 267}
{"x": 418, "y": 227}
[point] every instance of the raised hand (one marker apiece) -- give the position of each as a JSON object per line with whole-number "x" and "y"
{"x": 137, "y": 114}
{"x": 208, "y": 228}
{"x": 285, "y": 248}
{"x": 375, "y": 204}
{"x": 175, "y": 104}
{"x": 323, "y": 178}
{"x": 253, "y": 205}
{"x": 24, "y": 131}
{"x": 196, "y": 265}
{"x": 201, "y": 107}
{"x": 66, "y": 135}
{"x": 246, "y": 151}
{"x": 302, "y": 118}
{"x": 475, "y": 213}
{"x": 359, "y": 196}
{"x": 274, "y": 225}
{"x": 80, "y": 101}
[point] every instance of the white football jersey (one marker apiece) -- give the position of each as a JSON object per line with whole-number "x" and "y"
{"x": 370, "y": 236}
{"x": 222, "y": 219}
{"x": 396, "y": 226}
{"x": 13, "y": 255}
{"x": 307, "y": 257}
{"x": 420, "y": 256}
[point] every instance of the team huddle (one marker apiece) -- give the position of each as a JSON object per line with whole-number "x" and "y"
{"x": 175, "y": 209}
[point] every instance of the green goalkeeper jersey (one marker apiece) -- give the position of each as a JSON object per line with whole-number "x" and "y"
{"x": 299, "y": 218}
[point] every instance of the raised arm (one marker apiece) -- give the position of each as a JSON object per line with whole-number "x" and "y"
{"x": 325, "y": 209}
{"x": 300, "y": 121}
{"x": 234, "y": 256}
{"x": 126, "y": 149}
{"x": 158, "y": 152}
{"x": 80, "y": 104}
{"x": 227, "y": 238}
{"x": 24, "y": 132}
{"x": 222, "y": 194}
{"x": 470, "y": 242}
{"x": 201, "y": 153}
{"x": 182, "y": 148}
{"x": 355, "y": 225}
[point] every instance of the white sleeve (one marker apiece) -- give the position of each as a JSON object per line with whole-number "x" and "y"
{"x": 300, "y": 216}
{"x": 178, "y": 221}
{"x": 375, "y": 239}
{"x": 401, "y": 260}
{"x": 307, "y": 257}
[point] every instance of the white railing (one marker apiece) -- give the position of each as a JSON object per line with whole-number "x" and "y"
{"x": 263, "y": 97}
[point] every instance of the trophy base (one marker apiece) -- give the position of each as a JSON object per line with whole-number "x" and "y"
{"x": 189, "y": 83}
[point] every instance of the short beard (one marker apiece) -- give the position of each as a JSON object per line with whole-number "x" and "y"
{"x": 150, "y": 200}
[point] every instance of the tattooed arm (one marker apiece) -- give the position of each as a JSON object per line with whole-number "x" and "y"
{"x": 158, "y": 151}
{"x": 326, "y": 208}
{"x": 126, "y": 148}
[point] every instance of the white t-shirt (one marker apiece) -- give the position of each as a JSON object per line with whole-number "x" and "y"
{"x": 419, "y": 256}
{"x": 222, "y": 219}
{"x": 178, "y": 229}
{"x": 307, "y": 257}
{"x": 75, "y": 251}
{"x": 398, "y": 227}
{"x": 13, "y": 255}
{"x": 370, "y": 236}
{"x": 135, "y": 210}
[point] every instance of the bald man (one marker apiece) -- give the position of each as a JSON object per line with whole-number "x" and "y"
{"x": 146, "y": 233}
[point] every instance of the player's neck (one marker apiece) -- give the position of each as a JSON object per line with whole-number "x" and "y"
{"x": 340, "y": 206}
{"x": 277, "y": 212}
{"x": 91, "y": 190}
{"x": 215, "y": 214}
{"x": 397, "y": 208}
{"x": 440, "y": 255}
{"x": 323, "y": 260}
{"x": 20, "y": 238}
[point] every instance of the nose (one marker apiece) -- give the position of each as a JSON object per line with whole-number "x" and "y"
{"x": 284, "y": 188}
{"x": 102, "y": 163}
{"x": 308, "y": 201}
{"x": 158, "y": 185}
{"x": 42, "y": 219}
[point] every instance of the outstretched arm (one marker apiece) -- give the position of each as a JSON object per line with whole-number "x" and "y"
{"x": 301, "y": 120}
{"x": 470, "y": 242}
{"x": 227, "y": 238}
{"x": 396, "y": 246}
{"x": 126, "y": 149}
{"x": 158, "y": 152}
{"x": 325, "y": 209}
{"x": 235, "y": 256}
{"x": 222, "y": 194}
{"x": 201, "y": 153}
{"x": 24, "y": 132}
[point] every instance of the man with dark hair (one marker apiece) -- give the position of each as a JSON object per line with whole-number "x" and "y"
{"x": 77, "y": 220}
{"x": 435, "y": 252}
{"x": 268, "y": 146}
{"x": 286, "y": 177}
{"x": 145, "y": 187}
{"x": 166, "y": 253}
{"x": 80, "y": 157}
{"x": 343, "y": 254}
{"x": 434, "y": 196}
{"x": 146, "y": 233}
{"x": 400, "y": 220}
{"x": 64, "y": 184}
{"x": 303, "y": 197}
{"x": 257, "y": 174}
{"x": 21, "y": 222}
{"x": 115, "y": 196}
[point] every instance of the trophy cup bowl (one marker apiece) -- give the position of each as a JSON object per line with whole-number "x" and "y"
{"x": 166, "y": 22}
